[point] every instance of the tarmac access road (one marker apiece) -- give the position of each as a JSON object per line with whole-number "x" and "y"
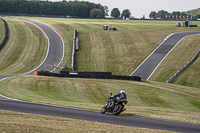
{"x": 44, "y": 109}
{"x": 150, "y": 64}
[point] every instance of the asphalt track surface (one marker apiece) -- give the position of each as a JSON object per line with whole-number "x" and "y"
{"x": 150, "y": 64}
{"x": 26, "y": 107}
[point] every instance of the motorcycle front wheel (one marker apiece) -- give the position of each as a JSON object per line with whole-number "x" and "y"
{"x": 103, "y": 110}
{"x": 118, "y": 109}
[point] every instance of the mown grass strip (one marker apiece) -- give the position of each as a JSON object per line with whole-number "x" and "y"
{"x": 25, "y": 49}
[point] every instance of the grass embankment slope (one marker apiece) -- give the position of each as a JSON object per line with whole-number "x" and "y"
{"x": 118, "y": 51}
{"x": 2, "y": 31}
{"x": 123, "y": 50}
{"x": 25, "y": 50}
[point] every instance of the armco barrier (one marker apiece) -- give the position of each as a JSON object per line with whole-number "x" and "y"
{"x": 183, "y": 68}
{"x": 75, "y": 48}
{"x": 6, "y": 34}
{"x": 94, "y": 75}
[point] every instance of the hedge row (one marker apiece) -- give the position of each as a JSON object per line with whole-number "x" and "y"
{"x": 6, "y": 34}
{"x": 95, "y": 75}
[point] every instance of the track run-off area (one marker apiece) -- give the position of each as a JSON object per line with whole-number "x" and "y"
{"x": 55, "y": 55}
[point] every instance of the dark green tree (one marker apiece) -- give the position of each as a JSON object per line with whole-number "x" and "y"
{"x": 161, "y": 14}
{"x": 126, "y": 13}
{"x": 152, "y": 14}
{"x": 96, "y": 13}
{"x": 115, "y": 13}
{"x": 106, "y": 10}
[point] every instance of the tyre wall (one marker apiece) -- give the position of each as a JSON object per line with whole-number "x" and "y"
{"x": 94, "y": 75}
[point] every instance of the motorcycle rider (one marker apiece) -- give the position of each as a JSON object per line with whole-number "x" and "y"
{"x": 121, "y": 95}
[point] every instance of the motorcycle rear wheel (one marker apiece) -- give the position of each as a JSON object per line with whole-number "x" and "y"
{"x": 118, "y": 109}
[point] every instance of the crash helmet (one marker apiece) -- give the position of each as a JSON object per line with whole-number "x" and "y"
{"x": 122, "y": 91}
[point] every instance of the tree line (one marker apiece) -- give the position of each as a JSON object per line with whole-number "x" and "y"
{"x": 176, "y": 15}
{"x": 116, "y": 13}
{"x": 163, "y": 15}
{"x": 72, "y": 8}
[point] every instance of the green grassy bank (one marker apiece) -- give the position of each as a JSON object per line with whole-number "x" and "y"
{"x": 25, "y": 50}
{"x": 118, "y": 51}
{"x": 123, "y": 50}
{"x": 152, "y": 99}
{"x": 2, "y": 31}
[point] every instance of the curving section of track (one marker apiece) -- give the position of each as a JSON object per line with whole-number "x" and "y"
{"x": 55, "y": 52}
{"x": 150, "y": 64}
{"x": 54, "y": 56}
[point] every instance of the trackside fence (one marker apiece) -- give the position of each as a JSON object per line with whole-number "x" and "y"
{"x": 183, "y": 68}
{"x": 6, "y": 34}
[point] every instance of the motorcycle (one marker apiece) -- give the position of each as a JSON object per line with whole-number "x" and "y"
{"x": 114, "y": 106}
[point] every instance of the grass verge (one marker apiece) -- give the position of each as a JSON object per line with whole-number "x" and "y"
{"x": 23, "y": 123}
